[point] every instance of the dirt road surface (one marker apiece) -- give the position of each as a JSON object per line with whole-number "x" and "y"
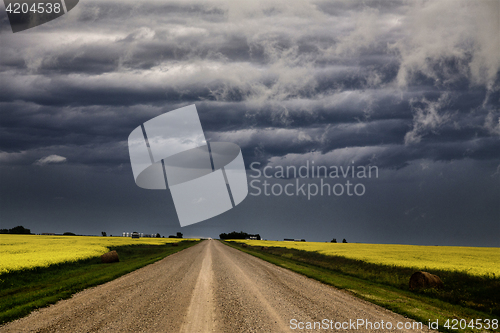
{"x": 209, "y": 287}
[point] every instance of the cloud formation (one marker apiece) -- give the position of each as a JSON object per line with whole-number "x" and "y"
{"x": 394, "y": 84}
{"x": 50, "y": 160}
{"x": 341, "y": 75}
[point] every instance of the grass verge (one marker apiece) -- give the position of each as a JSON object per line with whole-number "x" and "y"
{"x": 373, "y": 283}
{"x": 24, "y": 291}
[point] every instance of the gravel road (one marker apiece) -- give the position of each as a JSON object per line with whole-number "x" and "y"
{"x": 209, "y": 287}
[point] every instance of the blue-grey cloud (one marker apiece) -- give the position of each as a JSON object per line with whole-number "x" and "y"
{"x": 392, "y": 83}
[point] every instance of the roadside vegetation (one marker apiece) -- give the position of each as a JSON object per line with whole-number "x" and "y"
{"x": 24, "y": 290}
{"x": 464, "y": 296}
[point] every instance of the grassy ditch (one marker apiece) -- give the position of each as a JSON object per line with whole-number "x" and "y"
{"x": 23, "y": 291}
{"x": 463, "y": 297}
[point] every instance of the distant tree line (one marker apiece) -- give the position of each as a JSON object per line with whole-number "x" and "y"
{"x": 179, "y": 235}
{"x": 238, "y": 235}
{"x": 19, "y": 230}
{"x": 335, "y": 240}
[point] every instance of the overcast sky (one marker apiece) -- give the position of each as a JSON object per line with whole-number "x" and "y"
{"x": 412, "y": 87}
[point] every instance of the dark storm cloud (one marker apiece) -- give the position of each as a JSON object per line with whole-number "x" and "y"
{"x": 395, "y": 84}
{"x": 314, "y": 79}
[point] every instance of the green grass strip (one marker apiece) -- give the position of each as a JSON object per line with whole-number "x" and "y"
{"x": 21, "y": 292}
{"x": 420, "y": 307}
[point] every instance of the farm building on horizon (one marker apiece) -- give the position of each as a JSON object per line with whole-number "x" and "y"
{"x": 138, "y": 235}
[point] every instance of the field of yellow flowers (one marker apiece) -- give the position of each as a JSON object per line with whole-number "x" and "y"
{"x": 28, "y": 251}
{"x": 479, "y": 261}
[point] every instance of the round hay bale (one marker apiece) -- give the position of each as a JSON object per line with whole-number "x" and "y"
{"x": 424, "y": 280}
{"x": 264, "y": 248}
{"x": 110, "y": 257}
{"x": 244, "y": 245}
{"x": 175, "y": 244}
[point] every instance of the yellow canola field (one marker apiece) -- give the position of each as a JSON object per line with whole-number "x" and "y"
{"x": 479, "y": 261}
{"x": 27, "y": 251}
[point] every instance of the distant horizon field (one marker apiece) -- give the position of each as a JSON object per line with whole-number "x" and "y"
{"x": 28, "y": 251}
{"x": 478, "y": 261}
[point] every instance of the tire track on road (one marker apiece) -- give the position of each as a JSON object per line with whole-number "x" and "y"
{"x": 200, "y": 314}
